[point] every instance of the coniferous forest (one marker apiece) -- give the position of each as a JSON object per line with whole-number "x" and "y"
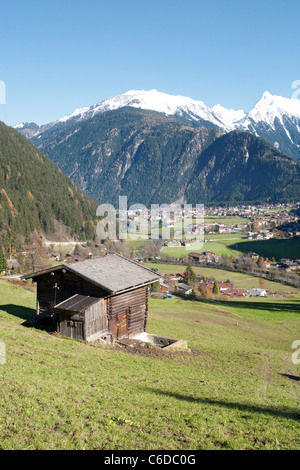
{"x": 35, "y": 195}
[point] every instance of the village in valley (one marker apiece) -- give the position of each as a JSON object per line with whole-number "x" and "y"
{"x": 230, "y": 235}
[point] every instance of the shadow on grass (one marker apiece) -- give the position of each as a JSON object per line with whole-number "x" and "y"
{"x": 287, "y": 308}
{"x": 30, "y": 318}
{"x": 291, "y": 377}
{"x": 277, "y": 248}
{"x": 19, "y": 311}
{"x": 271, "y": 411}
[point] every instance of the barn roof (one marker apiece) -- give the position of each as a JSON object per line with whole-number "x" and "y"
{"x": 77, "y": 303}
{"x": 113, "y": 273}
{"x": 184, "y": 286}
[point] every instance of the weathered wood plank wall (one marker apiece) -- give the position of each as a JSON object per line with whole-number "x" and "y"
{"x": 135, "y": 303}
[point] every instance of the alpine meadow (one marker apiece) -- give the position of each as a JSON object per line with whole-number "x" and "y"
{"x": 150, "y": 229}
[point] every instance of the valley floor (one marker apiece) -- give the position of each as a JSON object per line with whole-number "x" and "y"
{"x": 236, "y": 387}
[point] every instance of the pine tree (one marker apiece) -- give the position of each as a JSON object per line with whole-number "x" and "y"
{"x": 3, "y": 261}
{"x": 190, "y": 277}
{"x": 216, "y": 289}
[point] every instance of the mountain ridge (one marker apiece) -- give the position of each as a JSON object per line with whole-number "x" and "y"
{"x": 274, "y": 118}
{"x": 153, "y": 158}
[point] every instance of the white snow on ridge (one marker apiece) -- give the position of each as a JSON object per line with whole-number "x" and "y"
{"x": 161, "y": 102}
{"x": 77, "y": 112}
{"x": 170, "y": 105}
{"x": 267, "y": 110}
{"x": 270, "y": 107}
{"x": 19, "y": 126}
{"x": 229, "y": 116}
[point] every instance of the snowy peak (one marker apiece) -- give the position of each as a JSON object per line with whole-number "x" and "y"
{"x": 267, "y": 109}
{"x": 168, "y": 104}
{"x": 270, "y": 107}
{"x": 192, "y": 110}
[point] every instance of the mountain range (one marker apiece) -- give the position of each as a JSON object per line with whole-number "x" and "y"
{"x": 154, "y": 158}
{"x": 274, "y": 118}
{"x": 157, "y": 148}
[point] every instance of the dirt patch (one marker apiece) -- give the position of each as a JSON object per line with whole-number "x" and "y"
{"x": 146, "y": 349}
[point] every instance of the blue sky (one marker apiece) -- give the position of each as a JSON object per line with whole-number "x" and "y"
{"x": 60, "y": 55}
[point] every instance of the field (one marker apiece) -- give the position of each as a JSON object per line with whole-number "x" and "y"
{"x": 229, "y": 221}
{"x": 221, "y": 245}
{"x": 236, "y": 388}
{"x": 235, "y": 245}
{"x": 285, "y": 248}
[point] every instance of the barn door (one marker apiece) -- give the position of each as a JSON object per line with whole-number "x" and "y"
{"x": 122, "y": 325}
{"x": 75, "y": 328}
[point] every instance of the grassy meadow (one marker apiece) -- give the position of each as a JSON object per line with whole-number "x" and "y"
{"x": 273, "y": 248}
{"x": 228, "y": 220}
{"x": 235, "y": 388}
{"x": 220, "y": 245}
{"x": 235, "y": 245}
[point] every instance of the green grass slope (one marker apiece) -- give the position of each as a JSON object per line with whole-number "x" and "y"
{"x": 237, "y": 387}
{"x": 274, "y": 248}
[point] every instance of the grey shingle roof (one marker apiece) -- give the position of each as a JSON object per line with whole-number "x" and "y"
{"x": 184, "y": 286}
{"x": 112, "y": 272}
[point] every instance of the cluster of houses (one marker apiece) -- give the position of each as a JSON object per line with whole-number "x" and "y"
{"x": 269, "y": 218}
{"x": 263, "y": 234}
{"x": 289, "y": 265}
{"x": 274, "y": 211}
{"x": 204, "y": 257}
{"x": 173, "y": 283}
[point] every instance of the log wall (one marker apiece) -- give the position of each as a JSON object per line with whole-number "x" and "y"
{"x": 135, "y": 303}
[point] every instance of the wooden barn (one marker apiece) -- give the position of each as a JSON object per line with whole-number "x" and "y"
{"x": 104, "y": 297}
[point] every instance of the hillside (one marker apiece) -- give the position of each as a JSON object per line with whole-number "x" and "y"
{"x": 237, "y": 387}
{"x": 239, "y": 166}
{"x": 153, "y": 158}
{"x": 35, "y": 195}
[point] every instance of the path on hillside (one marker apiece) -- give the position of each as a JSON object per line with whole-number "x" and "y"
{"x": 49, "y": 243}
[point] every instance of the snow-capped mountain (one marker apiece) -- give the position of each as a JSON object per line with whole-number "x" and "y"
{"x": 277, "y": 120}
{"x": 179, "y": 106}
{"x": 271, "y": 108}
{"x": 274, "y": 118}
